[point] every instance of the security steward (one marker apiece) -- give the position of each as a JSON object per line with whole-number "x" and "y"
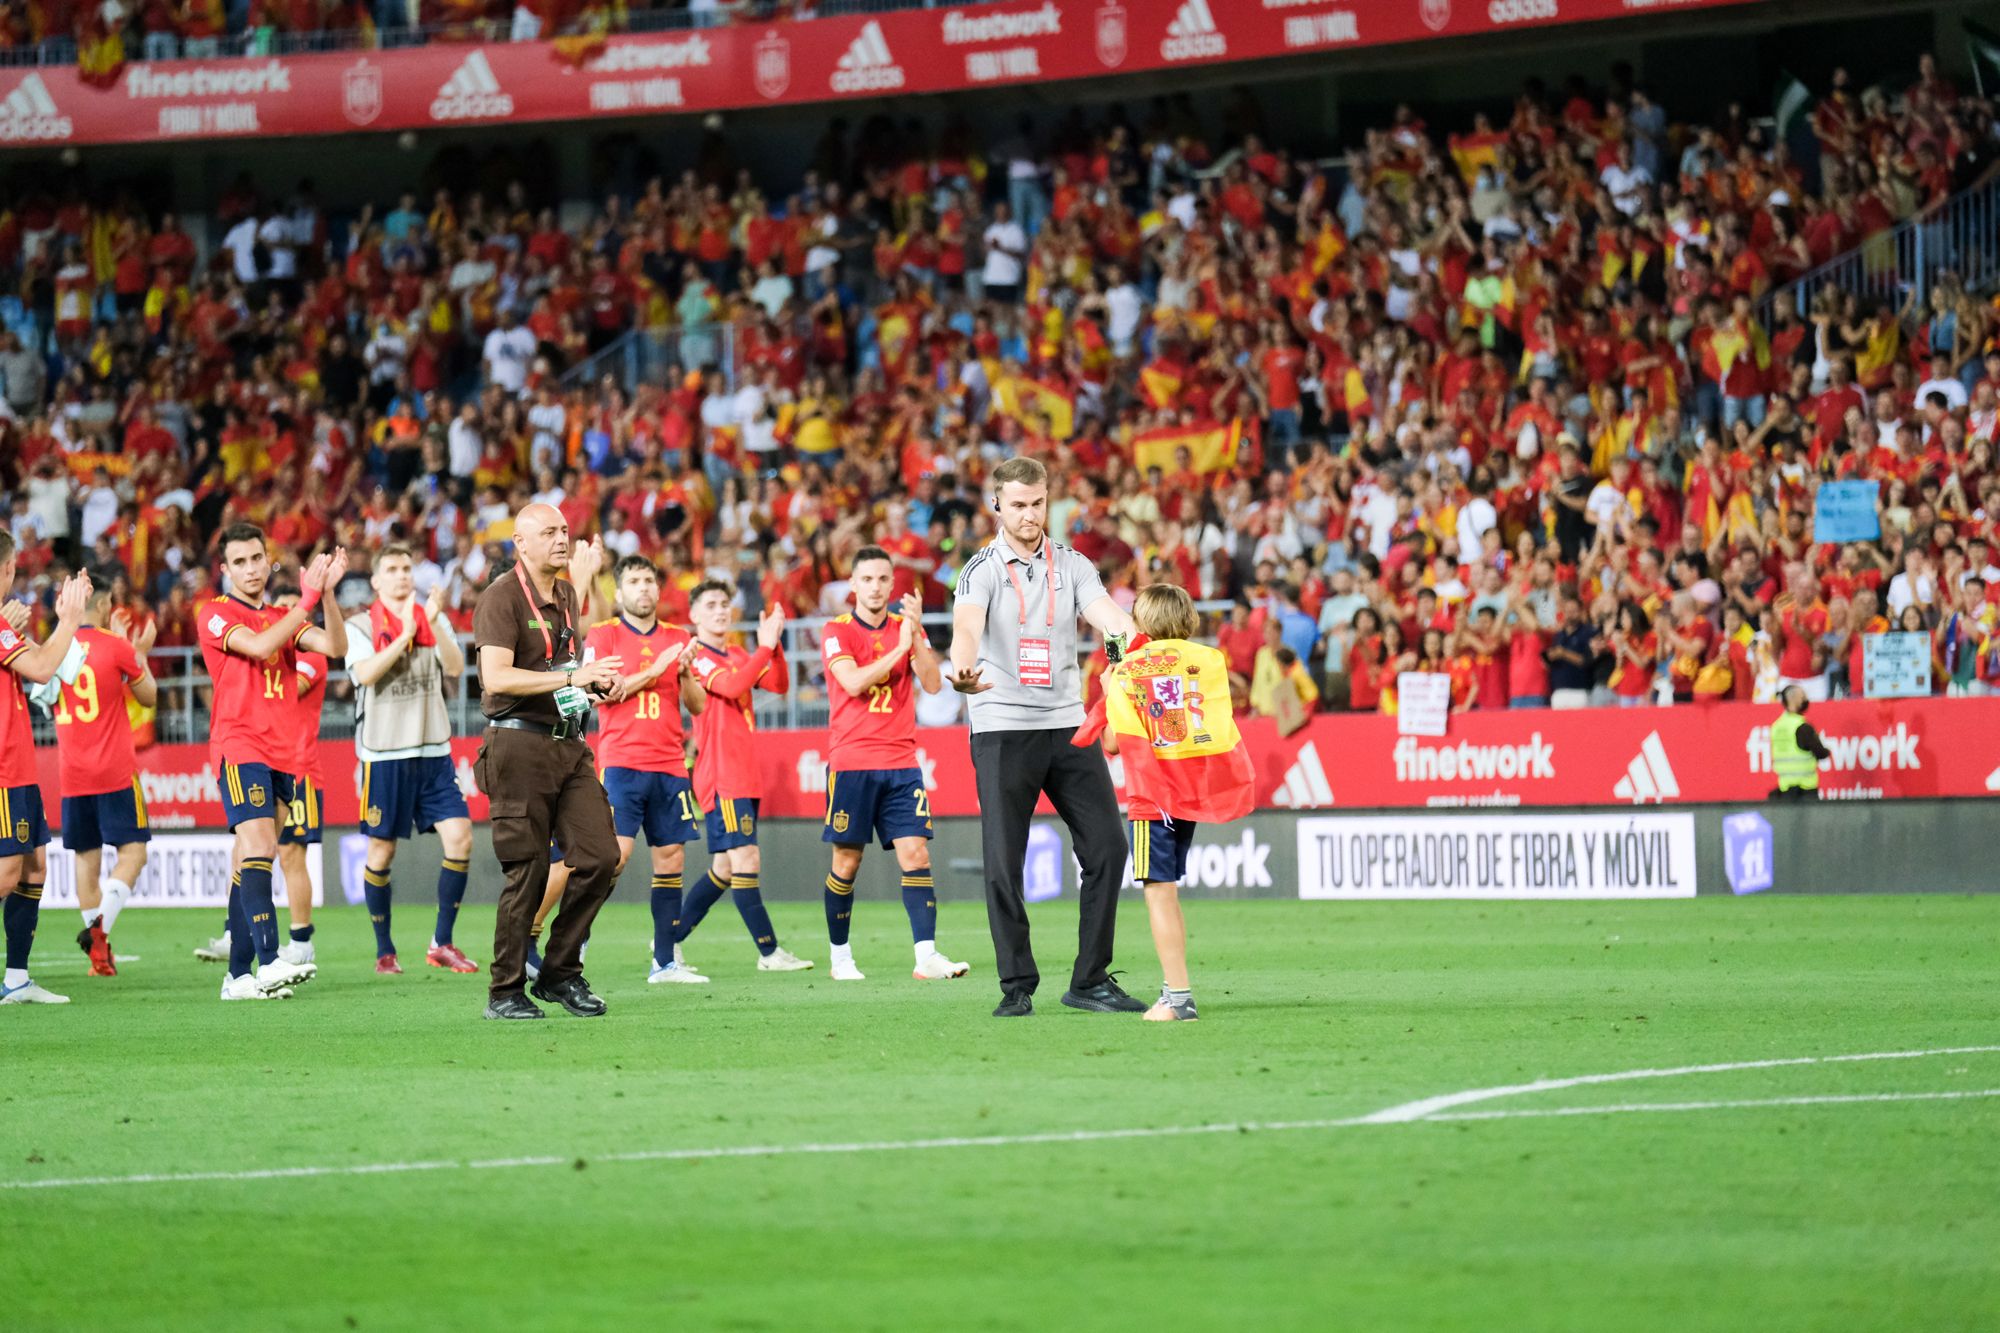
{"x": 533, "y": 765}
{"x": 1014, "y": 652}
{"x": 1796, "y": 749}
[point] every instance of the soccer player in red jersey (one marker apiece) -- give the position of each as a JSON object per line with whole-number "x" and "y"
{"x": 727, "y": 780}
{"x": 24, "y": 831}
{"x": 102, "y": 805}
{"x": 642, "y": 749}
{"x": 873, "y": 783}
{"x": 251, "y": 649}
{"x": 303, "y": 827}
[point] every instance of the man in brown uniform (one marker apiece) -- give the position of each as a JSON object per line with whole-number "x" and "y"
{"x": 536, "y": 770}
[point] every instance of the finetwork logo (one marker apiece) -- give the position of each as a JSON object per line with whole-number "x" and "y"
{"x": 1305, "y": 785}
{"x": 1466, "y": 762}
{"x": 960, "y": 29}
{"x": 1892, "y": 749}
{"x": 472, "y": 93}
{"x": 1521, "y": 11}
{"x": 1649, "y": 777}
{"x": 867, "y": 67}
{"x": 30, "y": 113}
{"x": 633, "y": 57}
{"x": 1193, "y": 34}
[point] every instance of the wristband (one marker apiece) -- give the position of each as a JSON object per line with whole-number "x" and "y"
{"x": 308, "y": 599}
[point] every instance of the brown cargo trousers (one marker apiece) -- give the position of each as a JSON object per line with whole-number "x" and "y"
{"x": 539, "y": 788}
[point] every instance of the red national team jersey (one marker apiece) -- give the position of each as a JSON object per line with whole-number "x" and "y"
{"x": 725, "y": 731}
{"x": 93, "y": 730}
{"x": 311, "y": 689}
{"x": 17, "y": 737}
{"x": 877, "y": 729}
{"x": 911, "y": 547}
{"x": 255, "y": 713}
{"x": 643, "y": 732}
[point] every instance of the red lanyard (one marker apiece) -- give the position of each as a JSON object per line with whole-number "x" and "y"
{"x": 535, "y": 607}
{"x": 1048, "y": 556}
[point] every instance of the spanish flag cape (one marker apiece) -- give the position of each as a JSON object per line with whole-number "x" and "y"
{"x": 1168, "y": 702}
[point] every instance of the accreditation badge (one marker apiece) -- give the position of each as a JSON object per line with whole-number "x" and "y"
{"x": 1037, "y": 664}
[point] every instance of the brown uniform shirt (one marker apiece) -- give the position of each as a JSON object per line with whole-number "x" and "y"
{"x": 505, "y": 619}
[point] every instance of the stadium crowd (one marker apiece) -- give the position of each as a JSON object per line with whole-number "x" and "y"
{"x": 1528, "y": 403}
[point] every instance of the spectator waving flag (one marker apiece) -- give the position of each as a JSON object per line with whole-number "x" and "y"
{"x": 1028, "y": 400}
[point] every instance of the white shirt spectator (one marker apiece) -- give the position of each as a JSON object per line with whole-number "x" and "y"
{"x": 48, "y": 501}
{"x": 1605, "y": 502}
{"x": 276, "y": 234}
{"x": 463, "y": 445}
{"x": 1474, "y": 521}
{"x": 718, "y": 411}
{"x": 1004, "y": 269}
{"x": 384, "y": 355}
{"x": 508, "y": 354}
{"x": 100, "y": 512}
{"x": 548, "y": 421}
{"x": 428, "y": 574}
{"x": 1627, "y": 186}
{"x": 1125, "y": 308}
{"x": 752, "y": 414}
{"x": 772, "y": 292}
{"x": 1905, "y": 591}
{"x": 1954, "y": 393}
{"x": 621, "y": 542}
{"x": 241, "y": 243}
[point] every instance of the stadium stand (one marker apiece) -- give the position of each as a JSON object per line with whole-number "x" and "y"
{"x": 1534, "y": 402}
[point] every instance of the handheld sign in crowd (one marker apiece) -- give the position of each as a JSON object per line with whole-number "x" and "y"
{"x": 1844, "y": 511}
{"x": 1896, "y": 666}
{"x": 1423, "y": 703}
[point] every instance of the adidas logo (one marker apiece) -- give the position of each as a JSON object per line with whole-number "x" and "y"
{"x": 1649, "y": 777}
{"x": 471, "y": 93}
{"x": 1193, "y": 35}
{"x": 30, "y": 113}
{"x": 1305, "y": 785}
{"x": 867, "y": 67}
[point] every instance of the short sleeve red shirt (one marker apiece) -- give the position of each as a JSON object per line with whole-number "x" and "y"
{"x": 256, "y": 703}
{"x": 877, "y": 729}
{"x": 643, "y": 732}
{"x": 17, "y": 737}
{"x": 93, "y": 730}
{"x": 311, "y": 689}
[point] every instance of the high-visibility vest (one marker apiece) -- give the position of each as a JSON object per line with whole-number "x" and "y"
{"x": 1796, "y": 768}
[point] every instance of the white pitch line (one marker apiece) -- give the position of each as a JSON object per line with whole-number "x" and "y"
{"x": 1429, "y": 1106}
{"x": 1395, "y": 1115}
{"x": 1537, "y": 1112}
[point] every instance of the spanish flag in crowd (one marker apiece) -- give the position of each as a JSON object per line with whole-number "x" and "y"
{"x": 1160, "y": 381}
{"x": 100, "y": 53}
{"x": 1168, "y": 703}
{"x": 1732, "y": 341}
{"x": 896, "y": 339}
{"x": 1473, "y": 151}
{"x": 1025, "y": 399}
{"x": 1212, "y": 446}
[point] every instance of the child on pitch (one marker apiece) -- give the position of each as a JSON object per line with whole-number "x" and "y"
{"x": 1167, "y": 711}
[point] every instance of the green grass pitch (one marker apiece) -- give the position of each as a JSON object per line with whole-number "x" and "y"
{"x": 1761, "y": 1203}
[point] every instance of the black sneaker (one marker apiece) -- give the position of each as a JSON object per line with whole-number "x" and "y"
{"x": 572, "y": 993}
{"x": 513, "y": 1007}
{"x": 1103, "y": 998}
{"x": 1016, "y": 1004}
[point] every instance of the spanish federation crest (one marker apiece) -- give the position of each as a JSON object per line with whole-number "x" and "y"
{"x": 1111, "y": 34}
{"x": 773, "y": 68}
{"x": 748, "y": 826}
{"x": 840, "y": 821}
{"x": 255, "y": 793}
{"x": 20, "y": 830}
{"x": 361, "y": 92}
{"x": 1435, "y": 14}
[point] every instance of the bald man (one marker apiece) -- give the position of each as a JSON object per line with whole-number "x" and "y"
{"x": 536, "y": 770}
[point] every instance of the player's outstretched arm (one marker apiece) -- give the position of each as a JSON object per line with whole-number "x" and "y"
{"x": 332, "y": 640}
{"x": 450, "y": 656}
{"x": 968, "y": 626}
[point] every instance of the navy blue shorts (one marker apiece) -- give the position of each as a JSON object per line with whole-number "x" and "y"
{"x": 109, "y": 819}
{"x": 401, "y": 798}
{"x": 660, "y": 803}
{"x": 1160, "y": 849}
{"x": 890, "y": 803}
{"x": 732, "y": 824}
{"x": 23, "y": 825}
{"x": 304, "y": 823}
{"x": 255, "y": 791}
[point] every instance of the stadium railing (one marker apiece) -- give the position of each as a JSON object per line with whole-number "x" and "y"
{"x": 183, "y": 713}
{"x": 1956, "y": 236}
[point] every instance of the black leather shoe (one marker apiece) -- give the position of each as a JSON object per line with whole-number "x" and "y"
{"x": 513, "y": 1006}
{"x": 572, "y": 993}
{"x": 1017, "y": 1004}
{"x": 1104, "y": 998}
